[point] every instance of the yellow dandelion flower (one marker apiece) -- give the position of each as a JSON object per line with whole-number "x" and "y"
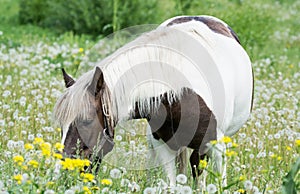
{"x": 87, "y": 177}
{"x": 24, "y": 167}
{"x": 279, "y": 158}
{"x": 18, "y": 159}
{"x": 288, "y": 148}
{"x": 18, "y": 178}
{"x": 57, "y": 156}
{"x": 95, "y": 188}
{"x": 81, "y": 50}
{"x": 59, "y": 147}
{"x": 33, "y": 163}
{"x": 241, "y": 191}
{"x": 49, "y": 183}
{"x": 297, "y": 142}
{"x": 28, "y": 146}
{"x": 230, "y": 153}
{"x": 106, "y": 182}
{"x": 67, "y": 164}
{"x": 58, "y": 129}
{"x": 86, "y": 190}
{"x": 226, "y": 139}
{"x": 38, "y": 140}
{"x": 202, "y": 164}
{"x": 235, "y": 145}
{"x": 273, "y": 156}
{"x": 242, "y": 178}
{"x": 213, "y": 142}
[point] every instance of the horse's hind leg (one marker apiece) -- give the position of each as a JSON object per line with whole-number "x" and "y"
{"x": 181, "y": 160}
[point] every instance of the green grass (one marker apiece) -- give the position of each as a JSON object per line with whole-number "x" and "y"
{"x": 30, "y": 81}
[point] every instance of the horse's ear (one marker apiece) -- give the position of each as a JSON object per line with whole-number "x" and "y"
{"x": 69, "y": 81}
{"x": 97, "y": 82}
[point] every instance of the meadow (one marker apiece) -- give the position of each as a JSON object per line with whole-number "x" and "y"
{"x": 260, "y": 155}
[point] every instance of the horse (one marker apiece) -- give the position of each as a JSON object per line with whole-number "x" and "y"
{"x": 190, "y": 78}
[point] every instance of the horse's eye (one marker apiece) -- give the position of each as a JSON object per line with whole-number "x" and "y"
{"x": 87, "y": 122}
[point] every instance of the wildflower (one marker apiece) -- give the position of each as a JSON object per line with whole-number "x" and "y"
{"x": 86, "y": 190}
{"x": 28, "y": 146}
{"x": 69, "y": 191}
{"x": 186, "y": 190}
{"x": 87, "y": 177}
{"x": 213, "y": 142}
{"x": 235, "y": 145}
{"x": 248, "y": 185}
{"x": 288, "y": 148}
{"x": 202, "y": 164}
{"x": 135, "y": 187}
{"x": 107, "y": 182}
{"x": 242, "y": 178}
{"x": 149, "y": 190}
{"x": 67, "y": 164}
{"x": 279, "y": 158}
{"x": 226, "y": 139}
{"x": 33, "y": 163}
{"x": 18, "y": 159}
{"x": 181, "y": 178}
{"x": 38, "y": 140}
{"x": 81, "y": 50}
{"x": 241, "y": 191}
{"x": 49, "y": 183}
{"x": 18, "y": 178}
{"x": 115, "y": 173}
{"x": 58, "y": 129}
{"x": 230, "y": 153}
{"x": 297, "y": 142}
{"x": 211, "y": 188}
{"x": 57, "y": 156}
{"x": 59, "y": 147}
{"x": 49, "y": 191}
{"x": 94, "y": 188}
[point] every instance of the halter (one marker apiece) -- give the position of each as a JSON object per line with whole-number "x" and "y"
{"x": 107, "y": 131}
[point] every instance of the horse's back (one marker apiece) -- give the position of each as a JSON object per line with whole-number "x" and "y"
{"x": 233, "y": 66}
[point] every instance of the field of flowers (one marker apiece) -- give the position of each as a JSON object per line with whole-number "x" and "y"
{"x": 259, "y": 156}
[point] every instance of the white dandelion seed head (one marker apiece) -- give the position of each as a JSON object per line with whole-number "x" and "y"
{"x": 248, "y": 185}
{"x": 186, "y": 190}
{"x": 49, "y": 191}
{"x": 211, "y": 188}
{"x": 69, "y": 191}
{"x": 135, "y": 187}
{"x": 124, "y": 182}
{"x": 115, "y": 173}
{"x": 149, "y": 190}
{"x": 118, "y": 138}
{"x": 181, "y": 178}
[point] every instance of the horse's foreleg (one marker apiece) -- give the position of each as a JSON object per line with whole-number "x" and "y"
{"x": 162, "y": 154}
{"x": 181, "y": 160}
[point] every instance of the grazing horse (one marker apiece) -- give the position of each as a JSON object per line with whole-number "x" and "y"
{"x": 190, "y": 78}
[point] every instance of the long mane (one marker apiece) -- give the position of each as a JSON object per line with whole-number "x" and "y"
{"x": 163, "y": 60}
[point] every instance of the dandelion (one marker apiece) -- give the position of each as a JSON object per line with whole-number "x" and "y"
{"x": 49, "y": 191}
{"x": 28, "y": 146}
{"x": 230, "y": 153}
{"x": 202, "y": 164}
{"x": 181, "y": 178}
{"x": 95, "y": 188}
{"x": 18, "y": 159}
{"x": 18, "y": 178}
{"x": 115, "y": 173}
{"x": 87, "y": 177}
{"x": 107, "y": 182}
{"x": 38, "y": 140}
{"x": 241, "y": 191}
{"x": 213, "y": 142}
{"x": 69, "y": 191}
{"x": 186, "y": 190}
{"x": 57, "y": 156}
{"x": 135, "y": 187}
{"x": 211, "y": 188}
{"x": 124, "y": 182}
{"x": 33, "y": 163}
{"x": 86, "y": 190}
{"x": 226, "y": 139}
{"x": 242, "y": 178}
{"x": 248, "y": 185}
{"x": 59, "y": 147}
{"x": 80, "y": 50}
{"x": 149, "y": 190}
{"x": 297, "y": 142}
{"x": 288, "y": 148}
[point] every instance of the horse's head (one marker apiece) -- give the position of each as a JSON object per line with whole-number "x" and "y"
{"x": 84, "y": 114}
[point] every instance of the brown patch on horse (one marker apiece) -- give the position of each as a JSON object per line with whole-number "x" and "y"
{"x": 213, "y": 24}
